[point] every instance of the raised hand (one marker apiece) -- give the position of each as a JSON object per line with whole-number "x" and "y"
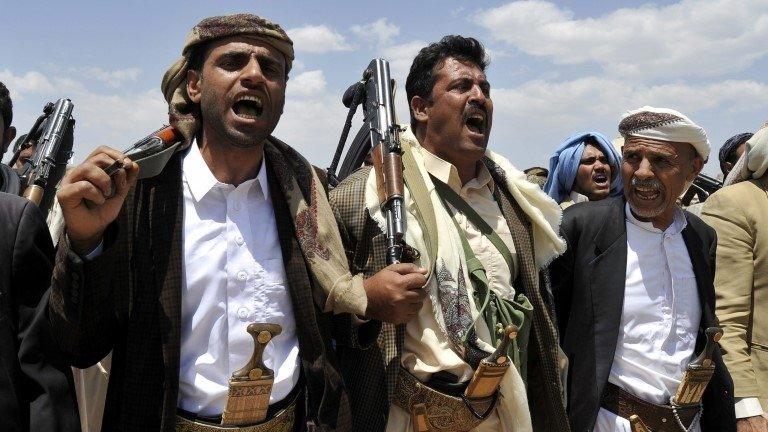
{"x": 86, "y": 197}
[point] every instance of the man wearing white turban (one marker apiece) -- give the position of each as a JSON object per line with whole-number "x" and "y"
{"x": 633, "y": 292}
{"x": 738, "y": 214}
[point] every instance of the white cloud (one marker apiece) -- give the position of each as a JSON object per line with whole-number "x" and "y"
{"x": 380, "y": 31}
{"x": 30, "y": 82}
{"x": 692, "y": 37}
{"x": 306, "y": 84}
{"x": 531, "y": 119}
{"x": 313, "y": 126}
{"x": 115, "y": 119}
{"x": 318, "y": 39}
{"x": 115, "y": 78}
{"x": 400, "y": 58}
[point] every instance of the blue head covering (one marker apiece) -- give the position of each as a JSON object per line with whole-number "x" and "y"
{"x": 564, "y": 164}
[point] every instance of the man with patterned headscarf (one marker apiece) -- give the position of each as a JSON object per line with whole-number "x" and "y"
{"x": 634, "y": 294}
{"x": 737, "y": 213}
{"x": 487, "y": 235}
{"x": 233, "y": 236}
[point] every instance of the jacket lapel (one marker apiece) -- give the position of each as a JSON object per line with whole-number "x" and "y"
{"x": 607, "y": 282}
{"x": 704, "y": 285}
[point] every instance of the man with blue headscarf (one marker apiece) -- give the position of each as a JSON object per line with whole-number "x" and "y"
{"x": 584, "y": 167}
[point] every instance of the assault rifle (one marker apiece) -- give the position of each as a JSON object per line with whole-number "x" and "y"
{"x": 380, "y": 133}
{"x": 52, "y": 132}
{"x": 703, "y": 186}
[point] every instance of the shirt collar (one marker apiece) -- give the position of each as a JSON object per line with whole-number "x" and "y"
{"x": 678, "y": 223}
{"x": 578, "y": 198}
{"x": 201, "y": 180}
{"x": 448, "y": 174}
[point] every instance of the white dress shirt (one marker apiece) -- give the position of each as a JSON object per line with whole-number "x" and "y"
{"x": 660, "y": 318}
{"x": 233, "y": 276}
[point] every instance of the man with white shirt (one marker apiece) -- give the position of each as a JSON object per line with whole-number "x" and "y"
{"x": 170, "y": 271}
{"x": 634, "y": 294}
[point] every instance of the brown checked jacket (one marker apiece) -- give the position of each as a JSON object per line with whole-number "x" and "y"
{"x": 129, "y": 298}
{"x": 370, "y": 374}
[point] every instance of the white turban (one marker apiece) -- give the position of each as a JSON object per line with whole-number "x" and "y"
{"x": 664, "y": 124}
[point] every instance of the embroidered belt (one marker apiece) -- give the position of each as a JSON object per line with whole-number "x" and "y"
{"x": 435, "y": 411}
{"x": 284, "y": 420}
{"x": 653, "y": 417}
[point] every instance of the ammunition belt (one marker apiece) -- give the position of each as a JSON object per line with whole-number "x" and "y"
{"x": 284, "y": 420}
{"x": 657, "y": 417}
{"x": 443, "y": 412}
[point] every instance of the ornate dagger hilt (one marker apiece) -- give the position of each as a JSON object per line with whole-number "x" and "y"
{"x": 698, "y": 372}
{"x": 251, "y": 385}
{"x": 491, "y": 370}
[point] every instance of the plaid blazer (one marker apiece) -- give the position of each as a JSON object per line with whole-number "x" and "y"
{"x": 129, "y": 300}
{"x": 370, "y": 375}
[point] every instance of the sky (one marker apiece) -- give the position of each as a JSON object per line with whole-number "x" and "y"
{"x": 557, "y": 68}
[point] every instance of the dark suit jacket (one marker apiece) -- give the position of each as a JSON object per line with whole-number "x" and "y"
{"x": 35, "y": 385}
{"x": 129, "y": 298}
{"x": 588, "y": 285}
{"x": 370, "y": 374}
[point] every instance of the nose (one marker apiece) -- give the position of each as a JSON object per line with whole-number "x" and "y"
{"x": 252, "y": 74}
{"x": 478, "y": 95}
{"x": 644, "y": 170}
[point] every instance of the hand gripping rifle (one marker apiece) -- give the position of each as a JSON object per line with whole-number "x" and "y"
{"x": 53, "y": 133}
{"x": 382, "y": 134}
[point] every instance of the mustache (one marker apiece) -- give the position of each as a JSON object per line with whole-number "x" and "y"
{"x": 651, "y": 183}
{"x": 475, "y": 107}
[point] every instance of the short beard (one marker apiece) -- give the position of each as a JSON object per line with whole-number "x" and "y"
{"x": 648, "y": 213}
{"x": 208, "y": 110}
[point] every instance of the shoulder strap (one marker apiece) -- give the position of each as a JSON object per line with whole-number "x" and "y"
{"x": 463, "y": 207}
{"x": 420, "y": 196}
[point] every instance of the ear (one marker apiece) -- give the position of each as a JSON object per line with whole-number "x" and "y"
{"x": 420, "y": 108}
{"x": 698, "y": 165}
{"x": 10, "y": 134}
{"x": 193, "y": 86}
{"x": 728, "y": 166}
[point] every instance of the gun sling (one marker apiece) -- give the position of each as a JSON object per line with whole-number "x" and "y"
{"x": 655, "y": 417}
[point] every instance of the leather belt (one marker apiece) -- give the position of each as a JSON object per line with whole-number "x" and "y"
{"x": 284, "y": 420}
{"x": 443, "y": 412}
{"x": 658, "y": 418}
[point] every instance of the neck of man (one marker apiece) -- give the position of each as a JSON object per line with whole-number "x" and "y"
{"x": 228, "y": 163}
{"x": 661, "y": 221}
{"x": 467, "y": 168}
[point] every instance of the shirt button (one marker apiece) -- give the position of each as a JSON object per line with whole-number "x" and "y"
{"x": 242, "y": 275}
{"x": 236, "y": 206}
{"x": 240, "y": 240}
{"x": 243, "y": 313}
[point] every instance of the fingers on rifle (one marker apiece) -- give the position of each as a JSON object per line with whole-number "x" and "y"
{"x": 93, "y": 174}
{"x": 80, "y": 190}
{"x": 414, "y": 281}
{"x": 407, "y": 268}
{"x": 108, "y": 151}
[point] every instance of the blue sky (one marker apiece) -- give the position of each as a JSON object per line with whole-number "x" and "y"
{"x": 557, "y": 67}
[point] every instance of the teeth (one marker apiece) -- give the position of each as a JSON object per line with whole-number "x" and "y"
{"x": 248, "y": 106}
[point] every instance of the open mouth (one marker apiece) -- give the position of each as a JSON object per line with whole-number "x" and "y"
{"x": 646, "y": 194}
{"x": 248, "y": 107}
{"x": 476, "y": 123}
{"x": 600, "y": 179}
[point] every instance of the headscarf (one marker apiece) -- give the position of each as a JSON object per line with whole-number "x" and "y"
{"x": 664, "y": 124}
{"x": 182, "y": 111}
{"x": 564, "y": 164}
{"x": 754, "y": 162}
{"x": 730, "y": 146}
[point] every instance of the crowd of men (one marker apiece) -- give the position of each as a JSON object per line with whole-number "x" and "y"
{"x": 236, "y": 291}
